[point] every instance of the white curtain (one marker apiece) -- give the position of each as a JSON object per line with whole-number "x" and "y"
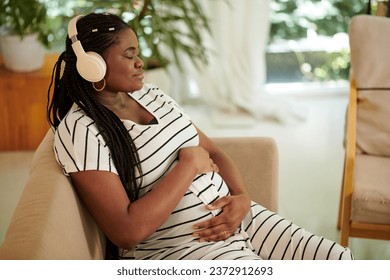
{"x": 234, "y": 79}
{"x": 237, "y": 63}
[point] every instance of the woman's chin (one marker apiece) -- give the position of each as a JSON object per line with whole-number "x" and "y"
{"x": 137, "y": 86}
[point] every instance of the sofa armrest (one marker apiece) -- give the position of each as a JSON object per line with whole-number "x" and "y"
{"x": 258, "y": 161}
{"x": 50, "y": 222}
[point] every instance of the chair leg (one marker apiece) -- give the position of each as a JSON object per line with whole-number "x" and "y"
{"x": 343, "y": 223}
{"x": 340, "y": 213}
{"x": 345, "y": 231}
{"x": 344, "y": 219}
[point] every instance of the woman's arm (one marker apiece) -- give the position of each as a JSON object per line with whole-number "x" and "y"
{"x": 235, "y": 207}
{"x": 128, "y": 223}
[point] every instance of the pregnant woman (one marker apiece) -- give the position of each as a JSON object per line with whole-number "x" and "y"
{"x": 154, "y": 183}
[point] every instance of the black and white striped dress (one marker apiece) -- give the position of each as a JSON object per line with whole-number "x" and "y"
{"x": 263, "y": 235}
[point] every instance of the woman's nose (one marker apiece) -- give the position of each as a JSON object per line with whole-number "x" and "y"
{"x": 139, "y": 63}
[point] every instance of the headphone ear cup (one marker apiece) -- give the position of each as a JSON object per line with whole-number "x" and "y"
{"x": 91, "y": 66}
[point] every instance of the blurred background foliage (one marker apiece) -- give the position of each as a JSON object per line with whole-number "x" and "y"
{"x": 301, "y": 19}
{"x": 169, "y": 28}
{"x": 292, "y": 19}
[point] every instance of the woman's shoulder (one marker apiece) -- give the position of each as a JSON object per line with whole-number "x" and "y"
{"x": 74, "y": 120}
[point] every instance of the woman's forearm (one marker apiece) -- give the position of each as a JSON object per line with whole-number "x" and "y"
{"x": 154, "y": 208}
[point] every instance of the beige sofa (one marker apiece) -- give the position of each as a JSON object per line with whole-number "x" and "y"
{"x": 50, "y": 222}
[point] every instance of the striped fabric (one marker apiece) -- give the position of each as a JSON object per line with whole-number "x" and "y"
{"x": 263, "y": 235}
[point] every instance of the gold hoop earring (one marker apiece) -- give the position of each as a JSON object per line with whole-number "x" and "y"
{"x": 99, "y": 89}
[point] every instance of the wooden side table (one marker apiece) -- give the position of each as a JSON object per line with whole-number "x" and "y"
{"x": 23, "y": 98}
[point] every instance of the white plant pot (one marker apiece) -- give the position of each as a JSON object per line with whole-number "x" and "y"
{"x": 22, "y": 55}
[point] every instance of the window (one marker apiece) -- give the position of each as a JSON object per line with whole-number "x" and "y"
{"x": 309, "y": 42}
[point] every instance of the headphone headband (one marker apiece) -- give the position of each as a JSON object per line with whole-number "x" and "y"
{"x": 72, "y": 29}
{"x": 90, "y": 65}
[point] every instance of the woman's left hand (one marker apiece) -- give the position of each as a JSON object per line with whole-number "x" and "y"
{"x": 221, "y": 227}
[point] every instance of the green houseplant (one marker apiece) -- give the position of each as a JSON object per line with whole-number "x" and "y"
{"x": 174, "y": 26}
{"x": 291, "y": 20}
{"x": 22, "y": 34}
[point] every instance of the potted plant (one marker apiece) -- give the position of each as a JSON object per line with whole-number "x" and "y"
{"x": 22, "y": 34}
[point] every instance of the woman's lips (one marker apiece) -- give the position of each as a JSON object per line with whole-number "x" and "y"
{"x": 140, "y": 75}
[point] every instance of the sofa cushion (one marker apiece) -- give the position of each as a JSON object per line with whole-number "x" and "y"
{"x": 371, "y": 197}
{"x": 370, "y": 61}
{"x": 264, "y": 160}
{"x": 50, "y": 222}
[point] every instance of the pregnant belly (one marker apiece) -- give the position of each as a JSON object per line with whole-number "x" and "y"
{"x": 178, "y": 228}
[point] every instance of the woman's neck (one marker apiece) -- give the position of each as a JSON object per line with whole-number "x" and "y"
{"x": 125, "y": 107}
{"x": 113, "y": 101}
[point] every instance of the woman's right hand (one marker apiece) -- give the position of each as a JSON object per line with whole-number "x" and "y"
{"x": 198, "y": 158}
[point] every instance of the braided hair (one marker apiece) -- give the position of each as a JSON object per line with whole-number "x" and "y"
{"x": 70, "y": 87}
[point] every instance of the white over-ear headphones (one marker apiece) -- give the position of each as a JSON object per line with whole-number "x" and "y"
{"x": 90, "y": 65}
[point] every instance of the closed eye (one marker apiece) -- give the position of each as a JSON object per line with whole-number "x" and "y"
{"x": 131, "y": 53}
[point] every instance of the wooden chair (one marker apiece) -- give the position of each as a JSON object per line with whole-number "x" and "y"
{"x": 365, "y": 194}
